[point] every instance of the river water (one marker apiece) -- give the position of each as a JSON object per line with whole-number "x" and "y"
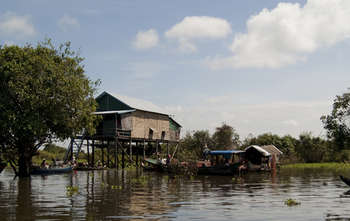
{"x": 139, "y": 195}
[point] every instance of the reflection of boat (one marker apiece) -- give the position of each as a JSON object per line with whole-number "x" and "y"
{"x": 226, "y": 162}
{"x": 2, "y": 166}
{"x": 48, "y": 171}
{"x": 345, "y": 180}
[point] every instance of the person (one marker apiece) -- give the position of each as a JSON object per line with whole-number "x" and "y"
{"x": 243, "y": 166}
{"x": 168, "y": 159}
{"x": 205, "y": 152}
{"x": 43, "y": 164}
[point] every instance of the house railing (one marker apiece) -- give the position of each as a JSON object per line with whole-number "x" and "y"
{"x": 123, "y": 133}
{"x": 112, "y": 131}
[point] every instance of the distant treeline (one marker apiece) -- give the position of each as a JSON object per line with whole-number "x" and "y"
{"x": 335, "y": 147}
{"x": 306, "y": 148}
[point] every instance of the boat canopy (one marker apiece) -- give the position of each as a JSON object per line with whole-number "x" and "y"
{"x": 225, "y": 152}
{"x": 259, "y": 149}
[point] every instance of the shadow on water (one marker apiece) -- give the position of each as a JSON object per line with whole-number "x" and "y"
{"x": 139, "y": 195}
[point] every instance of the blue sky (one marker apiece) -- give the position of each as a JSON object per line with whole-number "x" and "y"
{"x": 258, "y": 65}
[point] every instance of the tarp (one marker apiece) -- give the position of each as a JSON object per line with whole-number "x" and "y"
{"x": 152, "y": 161}
{"x": 261, "y": 150}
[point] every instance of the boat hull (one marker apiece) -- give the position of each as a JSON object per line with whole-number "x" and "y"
{"x": 49, "y": 171}
{"x": 222, "y": 171}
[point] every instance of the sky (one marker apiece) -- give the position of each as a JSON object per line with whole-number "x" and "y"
{"x": 261, "y": 66}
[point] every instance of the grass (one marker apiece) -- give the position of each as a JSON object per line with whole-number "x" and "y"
{"x": 326, "y": 166}
{"x": 291, "y": 202}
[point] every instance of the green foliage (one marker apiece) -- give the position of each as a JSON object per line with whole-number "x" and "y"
{"x": 336, "y": 167}
{"x": 286, "y": 143}
{"x": 71, "y": 190}
{"x": 192, "y": 146}
{"x": 337, "y": 123}
{"x": 52, "y": 148}
{"x": 44, "y": 96}
{"x": 311, "y": 149}
{"x": 291, "y": 202}
{"x": 225, "y": 137}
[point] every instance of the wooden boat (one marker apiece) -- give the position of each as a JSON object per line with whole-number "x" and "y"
{"x": 153, "y": 165}
{"x": 345, "y": 180}
{"x": 220, "y": 168}
{"x": 49, "y": 171}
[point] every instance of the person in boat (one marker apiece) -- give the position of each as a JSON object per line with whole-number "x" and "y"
{"x": 205, "y": 152}
{"x": 243, "y": 166}
{"x": 168, "y": 159}
{"x": 43, "y": 164}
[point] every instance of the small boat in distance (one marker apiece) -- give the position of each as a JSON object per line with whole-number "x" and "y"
{"x": 345, "y": 180}
{"x": 222, "y": 162}
{"x": 49, "y": 171}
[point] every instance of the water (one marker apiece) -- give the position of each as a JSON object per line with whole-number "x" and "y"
{"x": 138, "y": 195}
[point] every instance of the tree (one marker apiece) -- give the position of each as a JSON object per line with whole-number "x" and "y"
{"x": 337, "y": 123}
{"x": 225, "y": 137}
{"x": 193, "y": 144}
{"x": 44, "y": 96}
{"x": 311, "y": 149}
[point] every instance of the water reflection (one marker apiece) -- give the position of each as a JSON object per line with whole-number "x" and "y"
{"x": 138, "y": 195}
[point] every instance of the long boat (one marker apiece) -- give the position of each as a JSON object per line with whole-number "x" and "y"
{"x": 49, "y": 171}
{"x": 153, "y": 165}
{"x": 345, "y": 180}
{"x": 224, "y": 168}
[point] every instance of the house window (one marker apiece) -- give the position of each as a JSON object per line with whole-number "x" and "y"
{"x": 163, "y": 135}
{"x": 150, "y": 134}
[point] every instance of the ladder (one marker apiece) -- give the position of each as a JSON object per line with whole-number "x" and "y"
{"x": 74, "y": 148}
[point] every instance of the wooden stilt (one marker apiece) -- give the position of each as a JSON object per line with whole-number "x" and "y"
{"x": 103, "y": 153}
{"x": 72, "y": 146}
{"x": 130, "y": 152}
{"x": 88, "y": 151}
{"x": 116, "y": 153}
{"x": 123, "y": 156}
{"x": 144, "y": 148}
{"x": 167, "y": 148}
{"x": 157, "y": 147}
{"x": 93, "y": 153}
{"x": 108, "y": 153}
{"x": 137, "y": 155}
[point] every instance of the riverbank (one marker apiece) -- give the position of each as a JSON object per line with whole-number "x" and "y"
{"x": 326, "y": 166}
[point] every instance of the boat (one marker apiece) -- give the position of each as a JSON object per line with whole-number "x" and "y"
{"x": 153, "y": 165}
{"x": 345, "y": 180}
{"x": 49, "y": 171}
{"x": 222, "y": 162}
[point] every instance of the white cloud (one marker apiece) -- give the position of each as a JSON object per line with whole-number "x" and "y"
{"x": 67, "y": 23}
{"x": 16, "y": 26}
{"x": 287, "y": 34}
{"x": 280, "y": 118}
{"x": 146, "y": 39}
{"x": 198, "y": 27}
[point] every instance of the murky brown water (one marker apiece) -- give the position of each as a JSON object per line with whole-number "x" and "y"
{"x": 138, "y": 195}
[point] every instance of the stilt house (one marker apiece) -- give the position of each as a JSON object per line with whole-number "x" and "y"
{"x": 127, "y": 128}
{"x": 132, "y": 119}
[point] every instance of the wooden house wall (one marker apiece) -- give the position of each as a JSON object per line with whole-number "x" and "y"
{"x": 142, "y": 121}
{"x": 126, "y": 120}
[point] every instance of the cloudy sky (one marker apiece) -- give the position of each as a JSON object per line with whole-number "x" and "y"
{"x": 257, "y": 65}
